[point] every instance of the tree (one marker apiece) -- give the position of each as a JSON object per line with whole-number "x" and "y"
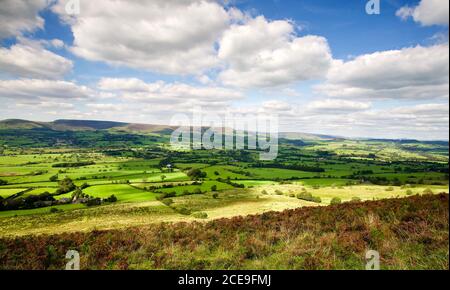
{"x": 78, "y": 193}
{"x": 66, "y": 185}
{"x": 163, "y": 177}
{"x": 111, "y": 199}
{"x": 53, "y": 178}
{"x": 94, "y": 202}
{"x": 214, "y": 188}
{"x": 3, "y": 182}
{"x": 196, "y": 174}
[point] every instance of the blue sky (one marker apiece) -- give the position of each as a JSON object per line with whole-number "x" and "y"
{"x": 323, "y": 66}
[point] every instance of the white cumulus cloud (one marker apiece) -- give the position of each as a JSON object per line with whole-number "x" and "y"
{"x": 132, "y": 88}
{"x": 35, "y": 89}
{"x": 338, "y": 106}
{"x": 427, "y": 13}
{"x": 262, "y": 53}
{"x": 410, "y": 73}
{"x": 19, "y": 16}
{"x": 174, "y": 37}
{"x": 30, "y": 59}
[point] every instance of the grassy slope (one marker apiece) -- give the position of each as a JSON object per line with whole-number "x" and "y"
{"x": 410, "y": 233}
{"x": 122, "y": 215}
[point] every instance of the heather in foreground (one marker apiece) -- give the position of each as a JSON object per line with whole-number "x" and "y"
{"x": 409, "y": 233}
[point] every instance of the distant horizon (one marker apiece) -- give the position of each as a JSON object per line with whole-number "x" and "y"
{"x": 281, "y": 132}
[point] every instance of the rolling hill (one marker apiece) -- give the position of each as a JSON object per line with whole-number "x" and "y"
{"x": 82, "y": 125}
{"x": 92, "y": 125}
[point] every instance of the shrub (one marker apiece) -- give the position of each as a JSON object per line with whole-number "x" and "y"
{"x": 183, "y": 210}
{"x": 409, "y": 192}
{"x": 264, "y": 192}
{"x": 356, "y": 199}
{"x": 428, "y": 191}
{"x": 309, "y": 197}
{"x": 215, "y": 195}
{"x": 196, "y": 174}
{"x": 53, "y": 178}
{"x": 112, "y": 198}
{"x": 200, "y": 215}
{"x": 3, "y": 182}
{"x": 214, "y": 188}
{"x": 171, "y": 194}
{"x": 198, "y": 191}
{"x": 168, "y": 201}
{"x": 390, "y": 188}
{"x": 335, "y": 201}
{"x": 94, "y": 202}
{"x": 75, "y": 164}
{"x": 317, "y": 199}
{"x": 305, "y": 196}
{"x": 278, "y": 192}
{"x": 166, "y": 195}
{"x": 54, "y": 210}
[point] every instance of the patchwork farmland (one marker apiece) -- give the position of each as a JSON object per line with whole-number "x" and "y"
{"x": 54, "y": 191}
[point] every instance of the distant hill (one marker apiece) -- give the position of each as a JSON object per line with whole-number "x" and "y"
{"x": 84, "y": 125}
{"x": 91, "y": 125}
{"x": 20, "y": 124}
{"x": 412, "y": 141}
{"x": 307, "y": 136}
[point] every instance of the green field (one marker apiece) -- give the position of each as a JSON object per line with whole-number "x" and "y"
{"x": 229, "y": 183}
{"x": 114, "y": 180}
{"x": 123, "y": 192}
{"x": 204, "y": 187}
{"x": 8, "y": 192}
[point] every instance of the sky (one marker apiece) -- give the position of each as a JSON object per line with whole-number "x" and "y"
{"x": 322, "y": 66}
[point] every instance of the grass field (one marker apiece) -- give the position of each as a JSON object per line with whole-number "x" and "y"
{"x": 123, "y": 192}
{"x": 8, "y": 192}
{"x": 204, "y": 187}
{"x": 39, "y": 211}
{"x": 229, "y": 185}
{"x": 347, "y": 193}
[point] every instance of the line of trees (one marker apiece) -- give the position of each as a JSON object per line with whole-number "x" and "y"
{"x": 297, "y": 166}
